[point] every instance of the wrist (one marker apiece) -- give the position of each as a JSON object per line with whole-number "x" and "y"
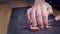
{"x": 39, "y": 1}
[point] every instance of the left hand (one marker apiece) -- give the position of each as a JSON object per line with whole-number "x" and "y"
{"x": 57, "y": 18}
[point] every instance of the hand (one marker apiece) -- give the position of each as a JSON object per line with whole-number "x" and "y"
{"x": 57, "y": 18}
{"x": 38, "y": 14}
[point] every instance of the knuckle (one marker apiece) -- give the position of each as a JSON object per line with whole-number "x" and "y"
{"x": 38, "y": 16}
{"x": 29, "y": 9}
{"x": 44, "y": 17}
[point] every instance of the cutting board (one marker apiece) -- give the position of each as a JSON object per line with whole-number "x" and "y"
{"x": 19, "y": 23}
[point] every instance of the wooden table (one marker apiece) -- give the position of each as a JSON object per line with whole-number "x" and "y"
{"x": 5, "y": 12}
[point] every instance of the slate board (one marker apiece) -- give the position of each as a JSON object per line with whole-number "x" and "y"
{"x": 18, "y": 23}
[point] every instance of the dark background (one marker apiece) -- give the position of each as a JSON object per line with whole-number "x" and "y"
{"x": 55, "y": 3}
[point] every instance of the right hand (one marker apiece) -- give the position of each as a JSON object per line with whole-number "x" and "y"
{"x": 38, "y": 14}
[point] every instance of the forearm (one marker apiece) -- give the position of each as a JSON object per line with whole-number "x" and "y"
{"x": 39, "y": 1}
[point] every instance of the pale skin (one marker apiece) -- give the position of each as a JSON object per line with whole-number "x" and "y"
{"x": 38, "y": 13}
{"x": 57, "y": 18}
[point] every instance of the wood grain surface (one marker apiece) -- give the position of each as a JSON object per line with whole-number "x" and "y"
{"x": 5, "y": 12}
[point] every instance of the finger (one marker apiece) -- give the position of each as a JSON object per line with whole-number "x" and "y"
{"x": 57, "y": 18}
{"x": 33, "y": 17}
{"x": 49, "y": 9}
{"x": 28, "y": 16}
{"x": 39, "y": 18}
{"x": 45, "y": 16}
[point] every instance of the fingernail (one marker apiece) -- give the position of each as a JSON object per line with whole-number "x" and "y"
{"x": 34, "y": 29}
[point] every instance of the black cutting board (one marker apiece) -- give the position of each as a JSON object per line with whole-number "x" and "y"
{"x": 18, "y": 23}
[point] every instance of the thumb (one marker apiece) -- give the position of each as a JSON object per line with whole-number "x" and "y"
{"x": 49, "y": 9}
